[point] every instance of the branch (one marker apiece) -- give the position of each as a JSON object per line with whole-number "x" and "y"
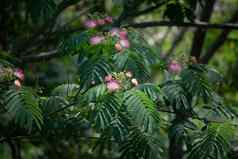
{"x": 200, "y": 34}
{"x": 41, "y": 56}
{"x": 219, "y": 41}
{"x": 197, "y": 24}
{"x": 37, "y": 138}
{"x": 62, "y": 109}
{"x": 194, "y": 117}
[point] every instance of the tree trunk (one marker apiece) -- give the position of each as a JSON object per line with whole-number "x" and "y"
{"x": 200, "y": 34}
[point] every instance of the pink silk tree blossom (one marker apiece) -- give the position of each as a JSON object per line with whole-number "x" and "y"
{"x": 96, "y": 40}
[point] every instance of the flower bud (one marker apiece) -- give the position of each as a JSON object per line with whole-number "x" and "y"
{"x": 125, "y": 43}
{"x": 134, "y": 81}
{"x": 129, "y": 74}
{"x": 118, "y": 47}
{"x": 17, "y": 83}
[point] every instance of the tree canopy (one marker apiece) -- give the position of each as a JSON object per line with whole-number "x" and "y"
{"x": 118, "y": 79}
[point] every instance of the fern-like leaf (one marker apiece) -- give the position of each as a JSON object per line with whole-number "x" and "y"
{"x": 142, "y": 109}
{"x": 140, "y": 145}
{"x": 24, "y": 107}
{"x": 105, "y": 111}
{"x": 151, "y": 90}
{"x": 177, "y": 96}
{"x": 65, "y": 90}
{"x": 195, "y": 81}
{"x": 212, "y": 144}
{"x": 93, "y": 72}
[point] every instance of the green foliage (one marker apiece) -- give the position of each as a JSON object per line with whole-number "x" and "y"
{"x": 93, "y": 72}
{"x": 151, "y": 90}
{"x": 177, "y": 96}
{"x": 106, "y": 110}
{"x": 140, "y": 145}
{"x": 53, "y": 103}
{"x": 196, "y": 82}
{"x": 74, "y": 44}
{"x": 184, "y": 10}
{"x": 65, "y": 90}
{"x": 142, "y": 110}
{"x": 23, "y": 106}
{"x": 41, "y": 9}
{"x": 212, "y": 143}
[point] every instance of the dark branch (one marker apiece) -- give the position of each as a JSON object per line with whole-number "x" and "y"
{"x": 195, "y": 117}
{"x": 200, "y": 34}
{"x": 203, "y": 25}
{"x": 219, "y": 41}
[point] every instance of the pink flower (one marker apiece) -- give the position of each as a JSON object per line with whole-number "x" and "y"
{"x": 108, "y": 78}
{"x": 123, "y": 35}
{"x": 129, "y": 74}
{"x": 108, "y": 19}
{"x": 18, "y": 72}
{"x": 175, "y": 67}
{"x": 90, "y": 23}
{"x": 101, "y": 22}
{"x": 114, "y": 32}
{"x": 118, "y": 47}
{"x": 134, "y": 81}
{"x": 125, "y": 43}
{"x": 17, "y": 83}
{"x": 96, "y": 40}
{"x": 113, "y": 85}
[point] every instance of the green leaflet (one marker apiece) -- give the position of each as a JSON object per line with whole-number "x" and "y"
{"x": 24, "y": 107}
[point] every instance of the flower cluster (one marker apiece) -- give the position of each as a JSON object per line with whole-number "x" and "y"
{"x": 98, "y": 22}
{"x": 6, "y": 73}
{"x": 96, "y": 40}
{"x": 123, "y": 39}
{"x": 112, "y": 84}
{"x": 19, "y": 73}
{"x": 122, "y": 80}
{"x": 9, "y": 74}
{"x": 175, "y": 67}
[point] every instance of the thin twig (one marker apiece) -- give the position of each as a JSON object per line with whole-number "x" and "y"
{"x": 40, "y": 56}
